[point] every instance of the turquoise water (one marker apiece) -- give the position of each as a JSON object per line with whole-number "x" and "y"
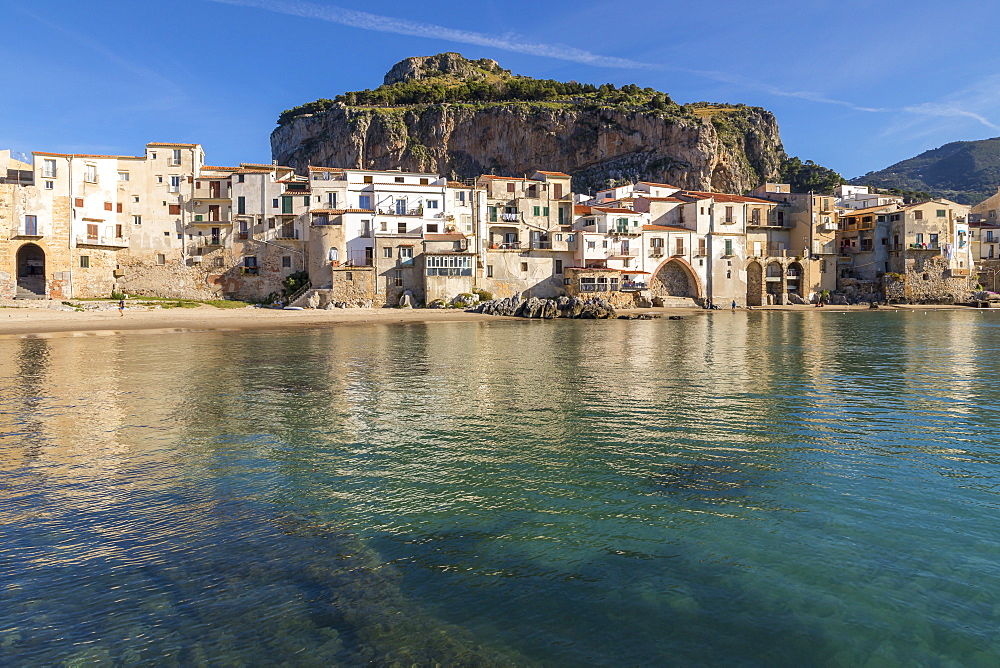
{"x": 757, "y": 488}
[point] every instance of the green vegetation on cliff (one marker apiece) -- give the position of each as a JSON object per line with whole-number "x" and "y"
{"x": 807, "y": 177}
{"x": 449, "y": 89}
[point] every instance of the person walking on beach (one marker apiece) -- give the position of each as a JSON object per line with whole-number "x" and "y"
{"x": 734, "y": 304}
{"x": 121, "y": 306}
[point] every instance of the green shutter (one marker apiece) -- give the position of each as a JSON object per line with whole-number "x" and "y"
{"x": 545, "y": 212}
{"x": 305, "y": 200}
{"x": 537, "y": 210}
{"x": 493, "y": 214}
{"x": 286, "y": 205}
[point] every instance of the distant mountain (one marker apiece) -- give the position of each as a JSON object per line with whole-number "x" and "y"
{"x": 966, "y": 172}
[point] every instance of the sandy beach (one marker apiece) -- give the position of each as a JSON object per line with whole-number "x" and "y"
{"x": 40, "y": 319}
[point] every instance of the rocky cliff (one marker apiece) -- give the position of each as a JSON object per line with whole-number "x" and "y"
{"x": 598, "y": 137}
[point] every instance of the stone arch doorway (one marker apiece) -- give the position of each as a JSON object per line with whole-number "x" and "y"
{"x": 794, "y": 278}
{"x": 30, "y": 271}
{"x": 755, "y": 284}
{"x": 775, "y": 281}
{"x": 675, "y": 278}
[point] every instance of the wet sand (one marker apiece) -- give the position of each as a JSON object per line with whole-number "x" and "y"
{"x": 38, "y": 321}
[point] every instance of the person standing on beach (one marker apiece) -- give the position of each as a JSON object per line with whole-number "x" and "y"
{"x": 121, "y": 306}
{"x": 734, "y": 304}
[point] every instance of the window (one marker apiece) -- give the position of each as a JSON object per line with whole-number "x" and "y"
{"x": 933, "y": 238}
{"x": 406, "y": 255}
{"x": 366, "y": 228}
{"x": 387, "y": 252}
{"x": 701, "y": 247}
{"x": 159, "y": 179}
{"x": 31, "y": 226}
{"x": 571, "y": 238}
{"x": 220, "y": 262}
{"x": 755, "y": 216}
{"x": 152, "y": 155}
{"x": 398, "y": 276}
{"x": 559, "y": 237}
{"x": 591, "y": 245}
{"x": 270, "y": 223}
{"x": 241, "y": 205}
{"x": 489, "y": 271}
{"x": 368, "y": 179}
{"x": 399, "y": 179}
{"x": 174, "y": 210}
{"x": 135, "y": 199}
{"x": 250, "y": 264}
{"x": 49, "y": 169}
{"x": 331, "y": 199}
{"x": 918, "y": 215}
{"x": 90, "y": 173}
{"x": 424, "y": 182}
{"x": 175, "y": 184}
{"x": 286, "y": 205}
{"x": 432, "y": 227}
{"x": 604, "y": 244}
{"x": 91, "y": 231}
{"x": 545, "y": 211}
{"x": 286, "y": 261}
{"x": 365, "y": 202}
{"x": 108, "y": 206}
{"x": 432, "y": 204}
{"x": 78, "y": 202}
{"x": 510, "y": 187}
{"x": 524, "y": 266}
{"x": 559, "y": 266}
{"x": 349, "y": 275}
{"x": 119, "y": 208}
{"x": 680, "y": 246}
{"x": 49, "y": 185}
{"x": 274, "y": 203}
{"x": 400, "y": 228}
{"x": 84, "y": 262}
{"x": 161, "y": 259}
{"x": 729, "y": 246}
{"x": 920, "y": 238}
{"x": 460, "y": 196}
{"x": 941, "y": 213}
{"x": 176, "y": 157}
{"x": 538, "y": 210}
{"x": 241, "y": 178}
{"x": 492, "y": 210}
{"x": 123, "y": 176}
{"x": 993, "y": 213}
{"x": 443, "y": 265}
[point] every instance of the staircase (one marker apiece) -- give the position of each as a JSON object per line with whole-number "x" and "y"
{"x": 30, "y": 288}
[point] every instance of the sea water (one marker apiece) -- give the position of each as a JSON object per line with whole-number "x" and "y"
{"x": 760, "y": 488}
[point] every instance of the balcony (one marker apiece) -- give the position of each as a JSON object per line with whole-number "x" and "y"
{"x": 541, "y": 245}
{"x": 623, "y": 252}
{"x": 287, "y": 235}
{"x": 104, "y": 242}
{"x": 924, "y": 247}
{"x": 418, "y": 212}
{"x": 510, "y": 217}
{"x": 625, "y": 231}
{"x": 201, "y": 219}
{"x": 507, "y": 246}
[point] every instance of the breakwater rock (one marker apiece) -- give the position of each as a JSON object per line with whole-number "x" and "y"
{"x": 546, "y": 309}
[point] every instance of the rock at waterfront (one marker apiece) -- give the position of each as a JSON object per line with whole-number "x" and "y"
{"x": 406, "y": 301}
{"x": 547, "y": 309}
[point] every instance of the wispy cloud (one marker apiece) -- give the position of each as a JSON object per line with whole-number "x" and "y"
{"x": 514, "y": 43}
{"x": 510, "y": 42}
{"x": 366, "y": 21}
{"x": 974, "y": 103}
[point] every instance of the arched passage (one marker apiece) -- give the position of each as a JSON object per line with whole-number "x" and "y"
{"x": 675, "y": 278}
{"x": 775, "y": 280}
{"x": 794, "y": 278}
{"x": 30, "y": 271}
{"x": 755, "y": 284}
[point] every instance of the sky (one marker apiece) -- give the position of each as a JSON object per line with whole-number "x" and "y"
{"x": 855, "y": 85}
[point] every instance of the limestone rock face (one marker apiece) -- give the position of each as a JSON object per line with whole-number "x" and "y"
{"x": 451, "y": 63}
{"x": 731, "y": 151}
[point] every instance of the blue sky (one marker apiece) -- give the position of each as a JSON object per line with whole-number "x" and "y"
{"x": 854, "y": 85}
